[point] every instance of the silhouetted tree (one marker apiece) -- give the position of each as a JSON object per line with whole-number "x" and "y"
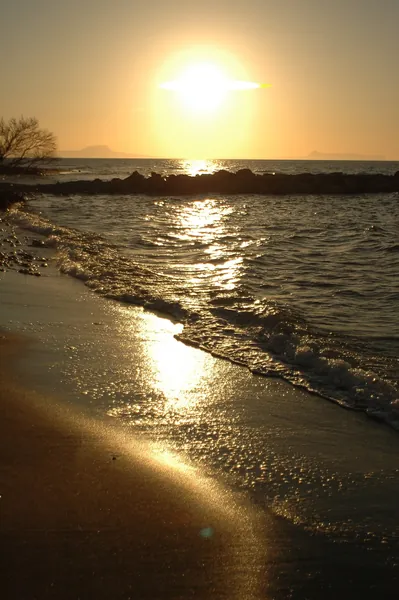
{"x": 24, "y": 144}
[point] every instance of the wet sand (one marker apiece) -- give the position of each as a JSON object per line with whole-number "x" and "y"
{"x": 87, "y": 512}
{"x": 85, "y": 516}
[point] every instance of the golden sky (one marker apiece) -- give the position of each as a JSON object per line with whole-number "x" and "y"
{"x": 91, "y": 72}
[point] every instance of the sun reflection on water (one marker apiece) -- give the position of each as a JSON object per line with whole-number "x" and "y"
{"x": 201, "y": 217}
{"x": 206, "y": 222}
{"x": 199, "y": 167}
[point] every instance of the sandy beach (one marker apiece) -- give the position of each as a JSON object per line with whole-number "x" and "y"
{"x": 88, "y": 512}
{"x": 91, "y": 508}
{"x": 84, "y": 516}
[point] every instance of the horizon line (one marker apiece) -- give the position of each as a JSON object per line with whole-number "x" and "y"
{"x": 322, "y": 157}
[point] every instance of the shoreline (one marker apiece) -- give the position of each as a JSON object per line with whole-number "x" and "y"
{"x": 30, "y": 255}
{"x": 87, "y": 511}
{"x": 86, "y": 514}
{"x": 70, "y": 327}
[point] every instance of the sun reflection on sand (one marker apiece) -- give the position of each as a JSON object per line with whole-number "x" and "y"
{"x": 177, "y": 371}
{"x": 168, "y": 459}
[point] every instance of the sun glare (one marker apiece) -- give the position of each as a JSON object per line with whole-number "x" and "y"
{"x": 201, "y": 87}
{"x": 205, "y": 104}
{"x": 204, "y": 87}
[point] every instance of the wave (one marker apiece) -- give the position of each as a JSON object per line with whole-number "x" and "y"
{"x": 266, "y": 336}
{"x": 275, "y": 341}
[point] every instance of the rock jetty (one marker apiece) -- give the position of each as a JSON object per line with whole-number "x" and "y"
{"x": 243, "y": 181}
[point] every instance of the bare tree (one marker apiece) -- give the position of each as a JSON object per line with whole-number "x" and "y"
{"x": 24, "y": 144}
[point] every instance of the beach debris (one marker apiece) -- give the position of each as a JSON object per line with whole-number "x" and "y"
{"x": 37, "y": 243}
{"x": 14, "y": 253}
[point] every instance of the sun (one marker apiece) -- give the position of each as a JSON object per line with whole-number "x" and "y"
{"x": 204, "y": 87}
{"x": 200, "y": 87}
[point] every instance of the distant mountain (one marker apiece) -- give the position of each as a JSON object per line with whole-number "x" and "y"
{"x": 328, "y": 156}
{"x": 97, "y": 152}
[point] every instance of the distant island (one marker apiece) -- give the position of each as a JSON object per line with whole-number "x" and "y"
{"x": 315, "y": 155}
{"x": 97, "y": 152}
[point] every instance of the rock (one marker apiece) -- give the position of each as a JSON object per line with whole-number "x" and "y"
{"x": 134, "y": 183}
{"x": 223, "y": 182}
{"x": 8, "y": 197}
{"x": 156, "y": 183}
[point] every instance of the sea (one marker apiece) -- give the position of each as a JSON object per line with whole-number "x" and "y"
{"x": 304, "y": 288}
{"x": 299, "y": 289}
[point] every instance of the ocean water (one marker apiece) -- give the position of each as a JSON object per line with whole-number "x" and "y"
{"x": 301, "y": 289}
{"x": 83, "y": 168}
{"x": 304, "y": 288}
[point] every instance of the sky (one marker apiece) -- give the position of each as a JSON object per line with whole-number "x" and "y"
{"x": 91, "y": 70}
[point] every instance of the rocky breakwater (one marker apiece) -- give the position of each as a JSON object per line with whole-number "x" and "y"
{"x": 225, "y": 182}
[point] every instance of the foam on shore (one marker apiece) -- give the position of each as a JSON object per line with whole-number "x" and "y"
{"x": 273, "y": 340}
